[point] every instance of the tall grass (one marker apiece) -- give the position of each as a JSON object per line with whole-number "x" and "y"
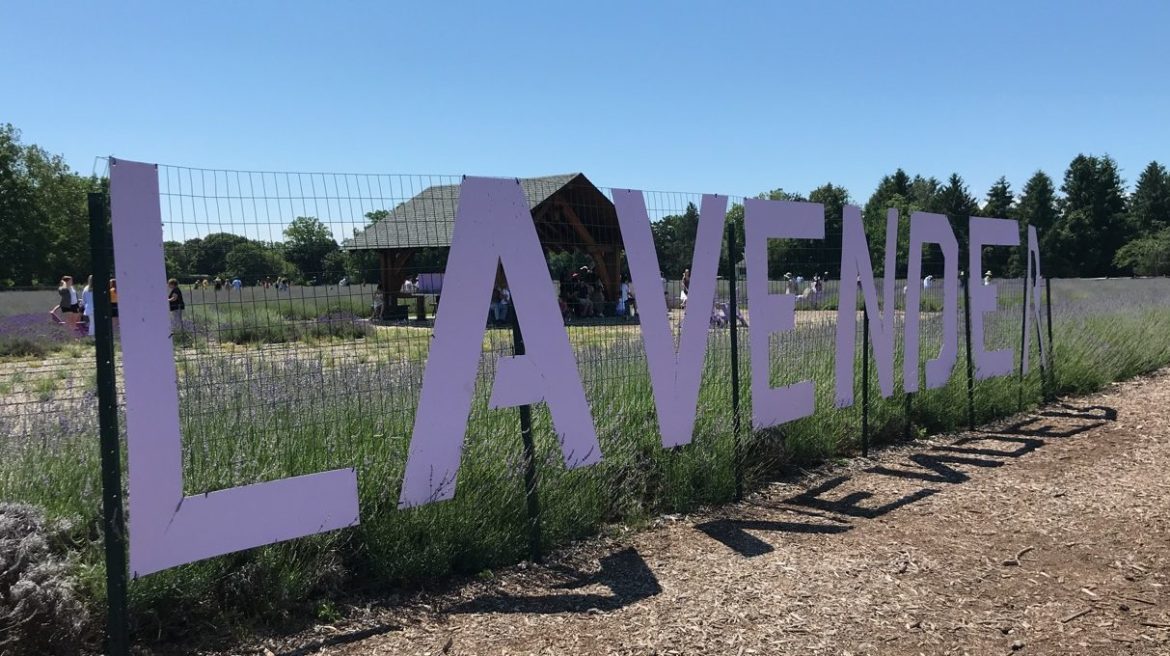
{"x": 251, "y": 413}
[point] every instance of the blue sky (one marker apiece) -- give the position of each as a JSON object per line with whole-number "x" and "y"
{"x": 731, "y": 97}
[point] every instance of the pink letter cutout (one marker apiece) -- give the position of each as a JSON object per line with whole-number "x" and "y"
{"x": 987, "y": 232}
{"x": 935, "y": 229}
{"x": 773, "y": 313}
{"x": 166, "y": 528}
{"x": 1032, "y": 281}
{"x": 674, "y": 375}
{"x": 855, "y": 262}
{"x": 493, "y": 225}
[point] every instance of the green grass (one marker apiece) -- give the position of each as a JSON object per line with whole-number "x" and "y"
{"x": 248, "y": 419}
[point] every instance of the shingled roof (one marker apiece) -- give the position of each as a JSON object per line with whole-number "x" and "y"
{"x": 426, "y": 221}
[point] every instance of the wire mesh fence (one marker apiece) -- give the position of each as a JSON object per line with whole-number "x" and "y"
{"x": 304, "y": 306}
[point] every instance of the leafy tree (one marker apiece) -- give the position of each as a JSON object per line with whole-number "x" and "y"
{"x": 1149, "y": 206}
{"x": 834, "y": 199}
{"x": 1146, "y": 256}
{"x": 674, "y": 240}
{"x": 208, "y": 256}
{"x": 334, "y": 267}
{"x": 250, "y": 261}
{"x": 308, "y": 242}
{"x": 176, "y": 255}
{"x": 44, "y": 214}
{"x": 925, "y": 194}
{"x": 728, "y": 260}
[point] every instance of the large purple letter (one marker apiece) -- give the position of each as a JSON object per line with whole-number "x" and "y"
{"x": 493, "y": 226}
{"x": 856, "y": 265}
{"x": 773, "y": 313}
{"x": 987, "y": 232}
{"x": 935, "y": 229}
{"x": 1032, "y": 281}
{"x": 166, "y": 528}
{"x": 674, "y": 375}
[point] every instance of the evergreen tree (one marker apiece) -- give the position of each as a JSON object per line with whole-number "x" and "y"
{"x": 1001, "y": 205}
{"x": 1149, "y": 206}
{"x": 959, "y": 205}
{"x": 1037, "y": 208}
{"x": 1093, "y": 224}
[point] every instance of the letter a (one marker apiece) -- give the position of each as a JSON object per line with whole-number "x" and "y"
{"x": 493, "y": 226}
{"x": 675, "y": 375}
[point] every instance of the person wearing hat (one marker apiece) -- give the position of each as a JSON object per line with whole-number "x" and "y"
{"x": 987, "y": 278}
{"x": 788, "y": 283}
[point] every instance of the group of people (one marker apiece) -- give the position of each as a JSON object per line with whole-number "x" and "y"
{"x": 219, "y": 283}
{"x": 582, "y": 296}
{"x": 77, "y": 308}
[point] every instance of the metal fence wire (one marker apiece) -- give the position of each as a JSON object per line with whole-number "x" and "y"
{"x": 308, "y": 306}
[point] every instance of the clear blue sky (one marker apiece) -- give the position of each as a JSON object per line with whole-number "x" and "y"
{"x": 725, "y": 97}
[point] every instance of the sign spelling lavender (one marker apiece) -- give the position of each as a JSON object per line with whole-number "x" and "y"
{"x": 493, "y": 226}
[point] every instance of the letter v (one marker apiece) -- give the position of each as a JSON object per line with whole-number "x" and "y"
{"x": 674, "y": 374}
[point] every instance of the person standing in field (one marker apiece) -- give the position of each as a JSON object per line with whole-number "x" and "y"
{"x": 87, "y": 302}
{"x": 67, "y": 303}
{"x": 175, "y": 299}
{"x": 686, "y": 287}
{"x": 114, "y": 303}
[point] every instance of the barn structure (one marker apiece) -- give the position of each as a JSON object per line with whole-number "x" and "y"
{"x": 569, "y": 212}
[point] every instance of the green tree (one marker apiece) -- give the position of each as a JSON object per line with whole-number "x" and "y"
{"x": 208, "y": 256}
{"x": 334, "y": 267}
{"x": 1149, "y": 206}
{"x": 834, "y": 199}
{"x": 925, "y": 194}
{"x": 44, "y": 214}
{"x": 959, "y": 205}
{"x": 727, "y": 260}
{"x": 1001, "y": 205}
{"x": 1093, "y": 224}
{"x": 251, "y": 262}
{"x": 674, "y": 240}
{"x": 308, "y": 242}
{"x": 1146, "y": 256}
{"x": 1038, "y": 208}
{"x": 896, "y": 190}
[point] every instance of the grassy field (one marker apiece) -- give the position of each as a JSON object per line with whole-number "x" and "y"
{"x": 270, "y": 408}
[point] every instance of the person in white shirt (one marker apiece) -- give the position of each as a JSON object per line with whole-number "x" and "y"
{"x": 87, "y": 300}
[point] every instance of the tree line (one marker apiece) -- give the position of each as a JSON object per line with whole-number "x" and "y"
{"x": 1088, "y": 226}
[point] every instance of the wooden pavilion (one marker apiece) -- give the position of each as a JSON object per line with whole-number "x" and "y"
{"x": 569, "y": 212}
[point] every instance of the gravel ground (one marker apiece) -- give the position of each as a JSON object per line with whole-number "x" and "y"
{"x": 1046, "y": 534}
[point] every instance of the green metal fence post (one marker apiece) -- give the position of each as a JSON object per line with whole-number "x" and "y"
{"x": 965, "y": 280}
{"x": 733, "y": 311}
{"x": 113, "y": 514}
{"x": 530, "y": 479}
{"x": 865, "y": 383}
{"x": 1023, "y": 344}
{"x": 1051, "y": 344}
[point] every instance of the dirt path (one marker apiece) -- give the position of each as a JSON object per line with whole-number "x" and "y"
{"x": 1049, "y": 534}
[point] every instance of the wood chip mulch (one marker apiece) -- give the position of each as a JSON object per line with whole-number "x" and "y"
{"x": 1048, "y": 533}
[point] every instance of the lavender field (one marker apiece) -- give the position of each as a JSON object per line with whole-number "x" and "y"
{"x": 263, "y": 409}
